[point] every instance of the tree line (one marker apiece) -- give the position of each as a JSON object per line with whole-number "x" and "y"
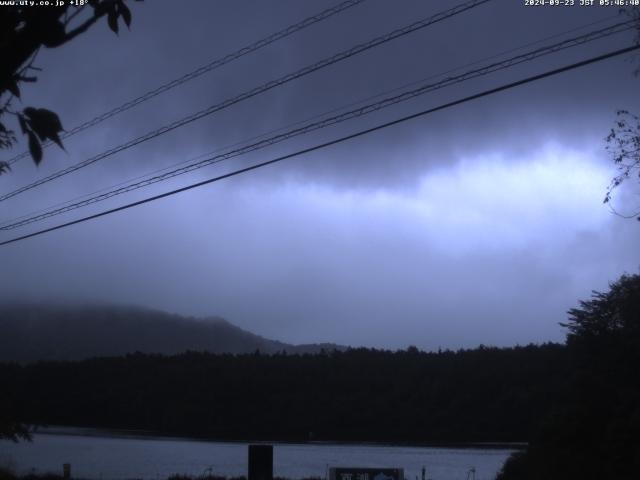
{"x": 479, "y": 395}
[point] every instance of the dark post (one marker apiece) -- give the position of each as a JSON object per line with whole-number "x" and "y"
{"x": 66, "y": 470}
{"x": 260, "y": 462}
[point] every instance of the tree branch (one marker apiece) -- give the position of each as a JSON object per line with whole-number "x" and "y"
{"x": 73, "y": 15}
{"x": 81, "y": 28}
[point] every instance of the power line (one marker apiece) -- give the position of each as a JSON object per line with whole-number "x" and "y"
{"x": 333, "y": 142}
{"x": 257, "y": 90}
{"x": 363, "y": 110}
{"x": 68, "y": 203}
{"x": 307, "y": 22}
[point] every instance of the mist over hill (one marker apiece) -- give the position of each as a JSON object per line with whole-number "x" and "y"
{"x": 32, "y": 332}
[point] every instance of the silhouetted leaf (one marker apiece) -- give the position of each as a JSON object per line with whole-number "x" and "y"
{"x": 4, "y": 167}
{"x": 125, "y": 13}
{"x": 3, "y": 129}
{"x": 112, "y": 20}
{"x": 35, "y": 148}
{"x": 45, "y": 123}
{"x": 27, "y": 79}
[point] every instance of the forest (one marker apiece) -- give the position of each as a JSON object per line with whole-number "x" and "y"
{"x": 480, "y": 395}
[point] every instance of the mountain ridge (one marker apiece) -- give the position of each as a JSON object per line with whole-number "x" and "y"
{"x": 60, "y": 332}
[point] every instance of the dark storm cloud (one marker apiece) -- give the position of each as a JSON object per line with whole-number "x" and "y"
{"x": 157, "y": 49}
{"x": 481, "y": 223}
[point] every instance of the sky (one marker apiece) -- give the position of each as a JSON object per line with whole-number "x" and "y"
{"x": 478, "y": 224}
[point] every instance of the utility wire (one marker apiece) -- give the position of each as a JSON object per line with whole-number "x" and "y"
{"x": 334, "y": 142}
{"x": 300, "y": 122}
{"x": 257, "y": 90}
{"x": 307, "y": 22}
{"x": 366, "y": 109}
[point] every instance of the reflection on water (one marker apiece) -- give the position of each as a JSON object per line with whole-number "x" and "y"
{"x": 112, "y": 457}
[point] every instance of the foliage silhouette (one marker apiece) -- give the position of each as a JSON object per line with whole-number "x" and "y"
{"x": 594, "y": 428}
{"x": 25, "y": 30}
{"x": 485, "y": 394}
{"x": 623, "y": 141}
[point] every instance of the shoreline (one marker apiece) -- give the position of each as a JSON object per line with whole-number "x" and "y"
{"x": 150, "y": 435}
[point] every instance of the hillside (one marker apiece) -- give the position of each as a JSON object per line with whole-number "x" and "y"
{"x": 57, "y": 332}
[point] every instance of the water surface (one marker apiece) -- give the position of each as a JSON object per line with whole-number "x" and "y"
{"x": 117, "y": 457}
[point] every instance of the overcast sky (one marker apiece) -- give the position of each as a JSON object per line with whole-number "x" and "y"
{"x": 482, "y": 223}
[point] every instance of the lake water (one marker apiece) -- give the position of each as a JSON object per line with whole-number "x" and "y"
{"x": 119, "y": 457}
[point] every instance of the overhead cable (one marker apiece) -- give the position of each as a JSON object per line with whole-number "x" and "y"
{"x": 336, "y": 119}
{"x": 255, "y": 91}
{"x": 367, "y": 131}
{"x": 291, "y": 29}
{"x": 306, "y": 120}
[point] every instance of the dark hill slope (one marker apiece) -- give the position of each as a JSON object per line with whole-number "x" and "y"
{"x": 30, "y": 333}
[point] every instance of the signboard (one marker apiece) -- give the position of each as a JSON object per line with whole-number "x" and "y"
{"x": 354, "y": 473}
